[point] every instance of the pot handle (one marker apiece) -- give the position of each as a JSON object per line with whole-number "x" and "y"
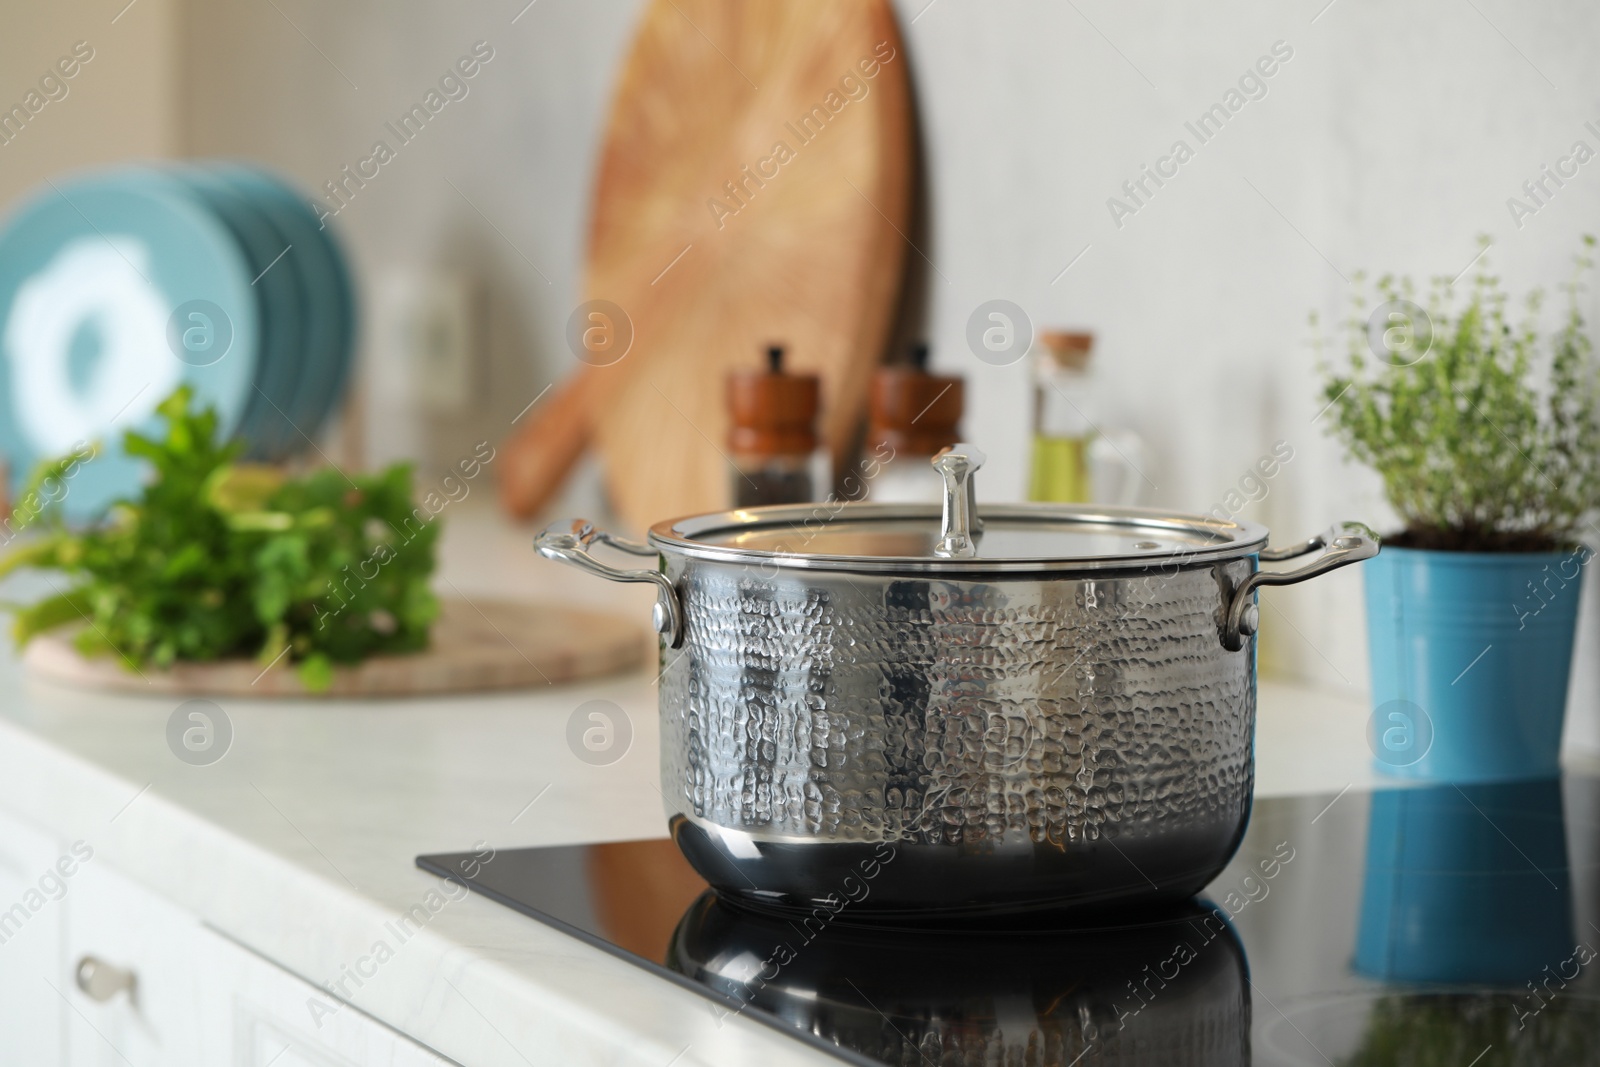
{"x": 1343, "y": 544}
{"x": 569, "y": 542}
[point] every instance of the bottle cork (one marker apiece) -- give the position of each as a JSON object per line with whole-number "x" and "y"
{"x": 1067, "y": 349}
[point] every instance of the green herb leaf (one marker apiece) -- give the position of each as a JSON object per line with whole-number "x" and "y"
{"x": 1491, "y": 440}
{"x": 216, "y": 559}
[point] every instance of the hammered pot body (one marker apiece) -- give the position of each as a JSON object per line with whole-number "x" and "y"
{"x": 938, "y": 746}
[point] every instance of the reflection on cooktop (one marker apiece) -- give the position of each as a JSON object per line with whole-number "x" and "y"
{"x": 1168, "y": 990}
{"x": 1439, "y": 925}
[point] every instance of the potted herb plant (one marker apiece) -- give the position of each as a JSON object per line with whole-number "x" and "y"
{"x": 1487, "y": 438}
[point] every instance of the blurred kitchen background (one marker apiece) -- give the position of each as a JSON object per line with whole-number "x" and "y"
{"x": 1390, "y": 140}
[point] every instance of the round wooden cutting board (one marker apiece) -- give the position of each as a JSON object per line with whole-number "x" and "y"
{"x": 477, "y": 645}
{"x": 754, "y": 188}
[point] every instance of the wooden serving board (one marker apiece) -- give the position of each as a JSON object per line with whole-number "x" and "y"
{"x": 754, "y": 187}
{"x": 477, "y": 645}
{"x": 812, "y": 257}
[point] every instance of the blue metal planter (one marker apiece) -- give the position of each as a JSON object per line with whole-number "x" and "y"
{"x": 1470, "y": 656}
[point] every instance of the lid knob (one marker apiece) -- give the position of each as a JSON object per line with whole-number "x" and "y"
{"x": 959, "y": 523}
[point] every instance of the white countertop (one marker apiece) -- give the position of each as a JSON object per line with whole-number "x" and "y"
{"x": 299, "y": 843}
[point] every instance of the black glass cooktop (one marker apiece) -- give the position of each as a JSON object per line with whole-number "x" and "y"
{"x": 1446, "y": 925}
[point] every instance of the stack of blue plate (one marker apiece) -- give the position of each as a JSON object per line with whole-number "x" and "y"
{"x": 117, "y": 287}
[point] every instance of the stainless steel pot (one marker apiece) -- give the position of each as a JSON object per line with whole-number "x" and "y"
{"x": 923, "y": 714}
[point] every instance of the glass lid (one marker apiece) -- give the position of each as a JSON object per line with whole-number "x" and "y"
{"x": 915, "y": 538}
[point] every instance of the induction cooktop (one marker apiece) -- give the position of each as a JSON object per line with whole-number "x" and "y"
{"x": 1448, "y": 925}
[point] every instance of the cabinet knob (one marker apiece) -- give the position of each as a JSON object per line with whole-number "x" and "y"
{"x": 100, "y": 981}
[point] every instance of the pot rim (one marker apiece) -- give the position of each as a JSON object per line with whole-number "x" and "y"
{"x": 1229, "y": 539}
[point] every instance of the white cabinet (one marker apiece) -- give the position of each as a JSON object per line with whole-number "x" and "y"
{"x": 96, "y": 971}
{"x": 143, "y": 1003}
{"x": 32, "y": 906}
{"x": 199, "y": 998}
{"x": 267, "y": 1019}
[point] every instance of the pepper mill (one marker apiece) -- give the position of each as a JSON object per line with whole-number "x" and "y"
{"x": 773, "y": 436}
{"x": 912, "y": 416}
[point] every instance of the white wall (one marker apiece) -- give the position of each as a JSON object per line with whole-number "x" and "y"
{"x": 121, "y": 103}
{"x": 1388, "y": 142}
{"x": 310, "y": 89}
{"x": 1392, "y": 138}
